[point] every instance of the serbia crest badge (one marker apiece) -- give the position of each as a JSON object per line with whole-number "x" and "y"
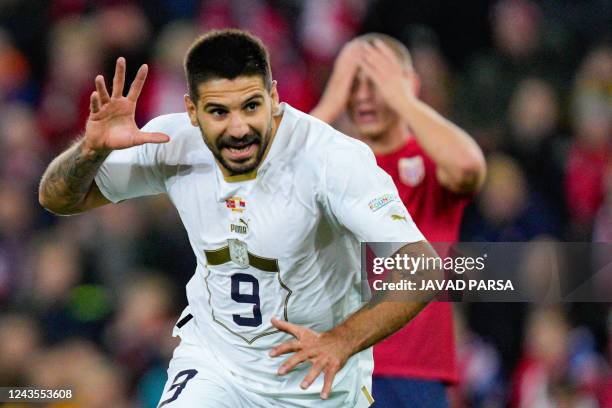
{"x": 411, "y": 170}
{"x": 236, "y": 204}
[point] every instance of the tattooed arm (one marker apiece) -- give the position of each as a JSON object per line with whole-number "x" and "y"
{"x": 68, "y": 186}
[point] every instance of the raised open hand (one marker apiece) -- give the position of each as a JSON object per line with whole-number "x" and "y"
{"x": 111, "y": 123}
{"x": 395, "y": 82}
{"x": 338, "y": 89}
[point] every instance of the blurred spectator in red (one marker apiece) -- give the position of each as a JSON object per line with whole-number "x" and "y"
{"x": 61, "y": 9}
{"x": 216, "y": 14}
{"x": 326, "y": 26}
{"x": 591, "y": 153}
{"x": 166, "y": 86}
{"x": 295, "y": 85}
{"x": 288, "y": 68}
{"x": 559, "y": 367}
{"x": 14, "y": 71}
{"x": 589, "y": 158}
{"x": 323, "y": 28}
{"x": 74, "y": 56}
{"x": 544, "y": 359}
{"x": 602, "y": 225}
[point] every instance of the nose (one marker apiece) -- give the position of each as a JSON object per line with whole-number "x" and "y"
{"x": 363, "y": 90}
{"x": 237, "y": 127}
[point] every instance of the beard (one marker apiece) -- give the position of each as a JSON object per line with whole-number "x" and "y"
{"x": 225, "y": 141}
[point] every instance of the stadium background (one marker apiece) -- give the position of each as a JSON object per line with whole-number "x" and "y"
{"x": 89, "y": 301}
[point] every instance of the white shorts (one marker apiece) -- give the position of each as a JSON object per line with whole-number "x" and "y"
{"x": 196, "y": 380}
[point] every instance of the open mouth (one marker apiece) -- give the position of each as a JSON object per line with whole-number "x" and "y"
{"x": 366, "y": 115}
{"x": 240, "y": 153}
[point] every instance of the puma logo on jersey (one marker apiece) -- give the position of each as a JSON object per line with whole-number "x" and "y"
{"x": 241, "y": 228}
{"x": 396, "y": 217}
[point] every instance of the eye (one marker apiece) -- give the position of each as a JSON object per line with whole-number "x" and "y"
{"x": 251, "y": 106}
{"x": 217, "y": 112}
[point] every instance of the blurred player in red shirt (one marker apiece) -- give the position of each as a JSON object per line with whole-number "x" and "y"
{"x": 437, "y": 168}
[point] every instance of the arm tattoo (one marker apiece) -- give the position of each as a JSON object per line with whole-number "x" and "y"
{"x": 69, "y": 177}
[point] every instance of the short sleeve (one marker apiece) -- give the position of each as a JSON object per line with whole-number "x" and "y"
{"x": 363, "y": 198}
{"x": 133, "y": 172}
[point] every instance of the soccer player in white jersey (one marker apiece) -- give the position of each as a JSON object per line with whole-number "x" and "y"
{"x": 275, "y": 203}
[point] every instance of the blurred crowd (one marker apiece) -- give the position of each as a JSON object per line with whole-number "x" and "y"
{"x": 89, "y": 301}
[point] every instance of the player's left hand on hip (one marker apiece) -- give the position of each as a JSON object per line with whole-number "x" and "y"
{"x": 325, "y": 351}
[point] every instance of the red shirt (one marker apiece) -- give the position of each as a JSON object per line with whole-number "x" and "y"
{"x": 425, "y": 348}
{"x": 585, "y": 180}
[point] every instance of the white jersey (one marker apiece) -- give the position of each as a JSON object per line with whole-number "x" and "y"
{"x": 283, "y": 242}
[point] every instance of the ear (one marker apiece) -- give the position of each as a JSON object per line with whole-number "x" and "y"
{"x": 275, "y": 98}
{"x": 191, "y": 109}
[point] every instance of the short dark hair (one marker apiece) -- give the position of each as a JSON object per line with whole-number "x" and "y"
{"x": 226, "y": 54}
